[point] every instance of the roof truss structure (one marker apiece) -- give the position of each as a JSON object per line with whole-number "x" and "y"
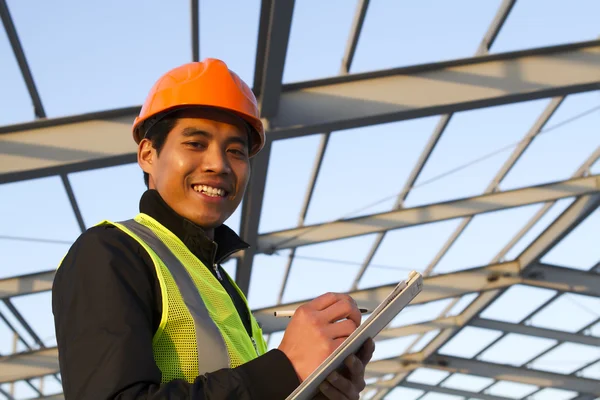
{"x": 59, "y": 147}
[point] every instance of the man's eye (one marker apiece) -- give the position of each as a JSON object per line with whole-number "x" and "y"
{"x": 237, "y": 152}
{"x": 195, "y": 144}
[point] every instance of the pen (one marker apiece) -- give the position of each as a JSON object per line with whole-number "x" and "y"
{"x": 290, "y": 313}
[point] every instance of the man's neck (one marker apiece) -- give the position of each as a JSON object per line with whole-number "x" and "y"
{"x": 209, "y": 232}
{"x": 209, "y": 245}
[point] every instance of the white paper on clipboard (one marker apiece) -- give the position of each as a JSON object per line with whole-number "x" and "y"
{"x": 391, "y": 306}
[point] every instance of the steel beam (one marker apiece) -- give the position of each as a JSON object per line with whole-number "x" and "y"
{"x": 29, "y": 365}
{"x": 535, "y": 331}
{"x": 514, "y": 374}
{"x": 26, "y": 284}
{"x": 250, "y": 219}
{"x": 332, "y": 104}
{"x": 452, "y": 392}
{"x": 457, "y": 321}
{"x": 261, "y": 45}
{"x": 372, "y": 98}
{"x": 271, "y": 54}
{"x": 277, "y": 39}
{"x": 15, "y": 43}
{"x": 381, "y": 222}
{"x": 562, "y": 279}
{"x": 456, "y": 284}
{"x": 485, "y": 369}
{"x": 436, "y": 287}
{"x": 66, "y": 147}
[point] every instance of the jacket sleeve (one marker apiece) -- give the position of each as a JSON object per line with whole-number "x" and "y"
{"x": 104, "y": 304}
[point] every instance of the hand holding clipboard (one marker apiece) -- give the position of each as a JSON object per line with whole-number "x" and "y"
{"x": 395, "y": 302}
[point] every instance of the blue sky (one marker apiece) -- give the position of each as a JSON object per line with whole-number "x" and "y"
{"x": 89, "y": 57}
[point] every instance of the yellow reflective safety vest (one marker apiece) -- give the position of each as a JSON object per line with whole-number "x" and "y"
{"x": 200, "y": 329}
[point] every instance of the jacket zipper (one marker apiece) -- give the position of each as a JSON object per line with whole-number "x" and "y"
{"x": 254, "y": 344}
{"x": 216, "y": 268}
{"x": 215, "y": 264}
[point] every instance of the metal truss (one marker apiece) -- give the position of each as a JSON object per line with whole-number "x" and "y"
{"x": 326, "y": 105}
{"x": 488, "y": 279}
{"x": 486, "y": 43}
{"x": 15, "y": 43}
{"x": 526, "y": 261}
{"x": 60, "y": 146}
{"x": 495, "y": 371}
{"x": 443, "y": 321}
{"x": 319, "y": 233}
{"x": 270, "y": 58}
{"x": 456, "y": 284}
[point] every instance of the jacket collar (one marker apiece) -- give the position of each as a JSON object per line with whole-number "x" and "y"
{"x": 210, "y": 252}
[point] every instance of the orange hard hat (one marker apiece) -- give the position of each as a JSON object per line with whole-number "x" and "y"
{"x": 209, "y": 83}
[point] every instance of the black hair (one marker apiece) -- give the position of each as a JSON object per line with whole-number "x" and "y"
{"x": 157, "y": 134}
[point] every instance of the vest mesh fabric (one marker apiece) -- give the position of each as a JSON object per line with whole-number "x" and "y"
{"x": 175, "y": 348}
{"x": 174, "y": 343}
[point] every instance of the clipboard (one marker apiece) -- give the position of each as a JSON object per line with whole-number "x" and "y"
{"x": 391, "y": 306}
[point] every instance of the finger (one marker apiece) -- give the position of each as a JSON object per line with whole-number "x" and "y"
{"x": 355, "y": 367}
{"x": 341, "y": 309}
{"x": 336, "y": 343}
{"x": 325, "y": 300}
{"x": 341, "y": 329}
{"x": 330, "y": 392}
{"x": 343, "y": 385}
{"x": 366, "y": 351}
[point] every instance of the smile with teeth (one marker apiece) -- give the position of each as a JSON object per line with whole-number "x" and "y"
{"x": 209, "y": 191}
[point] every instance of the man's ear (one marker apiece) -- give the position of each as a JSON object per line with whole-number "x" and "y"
{"x": 146, "y": 156}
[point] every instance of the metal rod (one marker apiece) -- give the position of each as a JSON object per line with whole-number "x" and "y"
{"x": 15, "y": 43}
{"x": 307, "y": 198}
{"x": 497, "y": 24}
{"x": 487, "y": 41}
{"x": 412, "y": 178}
{"x": 357, "y": 24}
{"x": 195, "y": 13}
{"x": 73, "y": 201}
{"x": 504, "y": 170}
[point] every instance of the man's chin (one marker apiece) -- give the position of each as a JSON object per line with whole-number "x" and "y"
{"x": 207, "y": 222}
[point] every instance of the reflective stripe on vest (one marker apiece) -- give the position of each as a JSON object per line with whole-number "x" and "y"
{"x": 207, "y": 333}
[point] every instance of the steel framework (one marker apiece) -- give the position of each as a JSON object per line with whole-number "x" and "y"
{"x": 61, "y": 146}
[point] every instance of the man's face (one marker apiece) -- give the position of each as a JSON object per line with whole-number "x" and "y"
{"x": 203, "y": 168}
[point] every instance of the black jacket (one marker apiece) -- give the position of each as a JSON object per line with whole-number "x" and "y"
{"x": 107, "y": 306}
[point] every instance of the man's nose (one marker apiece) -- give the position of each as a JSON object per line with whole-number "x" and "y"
{"x": 215, "y": 160}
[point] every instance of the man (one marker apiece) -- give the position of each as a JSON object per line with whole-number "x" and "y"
{"x": 143, "y": 309}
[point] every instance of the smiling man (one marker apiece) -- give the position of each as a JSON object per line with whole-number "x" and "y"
{"x": 143, "y": 309}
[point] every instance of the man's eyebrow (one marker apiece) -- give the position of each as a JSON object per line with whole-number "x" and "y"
{"x": 189, "y": 132}
{"x": 238, "y": 139}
